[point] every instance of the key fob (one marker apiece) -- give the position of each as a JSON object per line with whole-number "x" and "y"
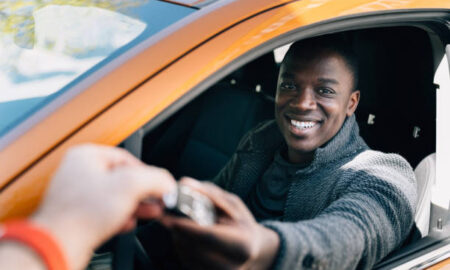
{"x": 190, "y": 203}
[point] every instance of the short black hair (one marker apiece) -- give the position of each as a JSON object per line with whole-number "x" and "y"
{"x": 338, "y": 43}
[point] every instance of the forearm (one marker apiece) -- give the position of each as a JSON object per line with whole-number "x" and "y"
{"x": 372, "y": 216}
{"x": 345, "y": 239}
{"x": 14, "y": 255}
{"x": 312, "y": 244}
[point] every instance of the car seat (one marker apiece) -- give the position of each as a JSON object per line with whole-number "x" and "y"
{"x": 397, "y": 112}
{"x": 201, "y": 138}
{"x": 426, "y": 177}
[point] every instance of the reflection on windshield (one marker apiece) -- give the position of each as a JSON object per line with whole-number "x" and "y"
{"x": 17, "y": 15}
{"x": 44, "y": 45}
{"x": 58, "y": 55}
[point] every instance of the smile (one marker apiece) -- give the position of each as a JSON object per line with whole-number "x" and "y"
{"x": 303, "y": 125}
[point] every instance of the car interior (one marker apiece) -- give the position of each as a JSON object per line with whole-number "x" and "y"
{"x": 398, "y": 98}
{"x": 396, "y": 113}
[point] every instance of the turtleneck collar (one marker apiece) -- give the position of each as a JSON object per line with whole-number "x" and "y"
{"x": 345, "y": 143}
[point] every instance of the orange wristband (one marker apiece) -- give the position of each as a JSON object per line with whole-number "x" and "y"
{"x": 37, "y": 239}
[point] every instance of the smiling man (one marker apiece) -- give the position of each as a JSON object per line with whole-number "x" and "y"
{"x": 318, "y": 197}
{"x": 316, "y": 92}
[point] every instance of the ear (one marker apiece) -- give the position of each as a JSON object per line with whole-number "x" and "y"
{"x": 353, "y": 102}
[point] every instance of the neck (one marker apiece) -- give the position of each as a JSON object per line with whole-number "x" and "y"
{"x": 299, "y": 158}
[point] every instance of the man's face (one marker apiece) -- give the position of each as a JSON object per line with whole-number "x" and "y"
{"x": 314, "y": 96}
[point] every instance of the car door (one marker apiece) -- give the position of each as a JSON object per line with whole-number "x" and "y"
{"x": 142, "y": 96}
{"x": 107, "y": 105}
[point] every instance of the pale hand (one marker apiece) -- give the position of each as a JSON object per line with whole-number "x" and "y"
{"x": 96, "y": 193}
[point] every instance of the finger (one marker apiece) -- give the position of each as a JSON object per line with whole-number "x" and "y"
{"x": 228, "y": 203}
{"x": 102, "y": 156}
{"x": 149, "y": 210}
{"x": 128, "y": 226}
{"x": 220, "y": 238}
{"x": 144, "y": 181}
{"x": 204, "y": 255}
{"x": 169, "y": 221}
{"x": 113, "y": 157}
{"x": 118, "y": 157}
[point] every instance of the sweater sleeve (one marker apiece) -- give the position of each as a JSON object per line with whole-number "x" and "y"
{"x": 372, "y": 215}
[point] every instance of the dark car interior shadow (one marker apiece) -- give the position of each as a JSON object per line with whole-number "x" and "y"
{"x": 396, "y": 114}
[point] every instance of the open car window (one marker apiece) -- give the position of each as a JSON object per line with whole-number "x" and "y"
{"x": 199, "y": 139}
{"x": 390, "y": 84}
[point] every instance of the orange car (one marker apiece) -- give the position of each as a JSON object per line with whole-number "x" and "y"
{"x": 179, "y": 82}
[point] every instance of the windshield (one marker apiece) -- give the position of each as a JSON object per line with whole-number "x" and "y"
{"x": 47, "y": 45}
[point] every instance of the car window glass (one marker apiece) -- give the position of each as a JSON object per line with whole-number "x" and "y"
{"x": 45, "y": 45}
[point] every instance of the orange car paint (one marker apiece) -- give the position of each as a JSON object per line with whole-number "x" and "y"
{"x": 163, "y": 49}
{"x": 443, "y": 265}
{"x": 89, "y": 117}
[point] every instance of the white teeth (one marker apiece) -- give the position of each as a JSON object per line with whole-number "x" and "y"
{"x": 302, "y": 125}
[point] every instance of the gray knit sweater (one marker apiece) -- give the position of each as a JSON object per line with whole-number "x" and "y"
{"x": 348, "y": 209}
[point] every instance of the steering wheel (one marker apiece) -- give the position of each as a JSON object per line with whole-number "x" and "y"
{"x": 129, "y": 254}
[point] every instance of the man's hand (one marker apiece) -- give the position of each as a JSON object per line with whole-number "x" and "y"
{"x": 96, "y": 193}
{"x": 237, "y": 241}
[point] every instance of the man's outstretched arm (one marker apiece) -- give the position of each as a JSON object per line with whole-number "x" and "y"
{"x": 372, "y": 216}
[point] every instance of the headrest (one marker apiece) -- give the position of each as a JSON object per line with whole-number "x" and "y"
{"x": 259, "y": 75}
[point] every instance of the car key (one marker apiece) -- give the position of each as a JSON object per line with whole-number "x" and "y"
{"x": 185, "y": 201}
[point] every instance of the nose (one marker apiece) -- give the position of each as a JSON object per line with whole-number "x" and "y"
{"x": 304, "y": 100}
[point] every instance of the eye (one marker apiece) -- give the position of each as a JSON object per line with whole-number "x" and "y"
{"x": 325, "y": 91}
{"x": 287, "y": 86}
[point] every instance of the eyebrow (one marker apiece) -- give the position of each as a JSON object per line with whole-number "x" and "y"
{"x": 322, "y": 80}
{"x": 287, "y": 75}
{"x": 328, "y": 80}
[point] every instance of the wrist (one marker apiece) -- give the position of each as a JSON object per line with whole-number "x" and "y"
{"x": 70, "y": 234}
{"x": 16, "y": 255}
{"x": 44, "y": 245}
{"x": 269, "y": 244}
